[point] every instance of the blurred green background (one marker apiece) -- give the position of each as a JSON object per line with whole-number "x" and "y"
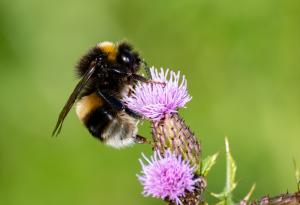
{"x": 241, "y": 59}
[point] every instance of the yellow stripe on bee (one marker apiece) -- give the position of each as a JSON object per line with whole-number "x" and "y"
{"x": 109, "y": 49}
{"x": 87, "y": 104}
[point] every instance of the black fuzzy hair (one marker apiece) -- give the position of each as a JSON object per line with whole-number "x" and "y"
{"x": 124, "y": 46}
{"x": 85, "y": 62}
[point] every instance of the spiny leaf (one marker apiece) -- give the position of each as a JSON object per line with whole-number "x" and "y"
{"x": 220, "y": 196}
{"x": 230, "y": 169}
{"x": 208, "y": 163}
{"x": 297, "y": 174}
{"x": 247, "y": 197}
{"x": 230, "y": 184}
{"x": 220, "y": 203}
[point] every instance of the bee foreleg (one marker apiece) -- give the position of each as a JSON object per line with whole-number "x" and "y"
{"x": 140, "y": 78}
{"x": 134, "y": 76}
{"x": 146, "y": 80}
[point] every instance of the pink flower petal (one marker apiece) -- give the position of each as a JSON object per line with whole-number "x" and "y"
{"x": 167, "y": 177}
{"x": 154, "y": 100}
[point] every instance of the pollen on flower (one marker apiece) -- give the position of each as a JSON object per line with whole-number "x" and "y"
{"x": 155, "y": 100}
{"x": 167, "y": 177}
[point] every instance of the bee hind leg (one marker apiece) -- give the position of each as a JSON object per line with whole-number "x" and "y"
{"x": 141, "y": 140}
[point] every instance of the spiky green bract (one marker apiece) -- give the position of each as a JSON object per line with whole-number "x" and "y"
{"x": 297, "y": 174}
{"x": 225, "y": 197}
{"x": 172, "y": 133}
{"x": 208, "y": 163}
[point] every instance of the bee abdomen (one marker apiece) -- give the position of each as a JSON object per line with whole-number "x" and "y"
{"x": 97, "y": 121}
{"x": 94, "y": 114}
{"x": 114, "y": 128}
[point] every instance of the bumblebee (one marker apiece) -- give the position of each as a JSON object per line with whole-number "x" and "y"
{"x": 107, "y": 72}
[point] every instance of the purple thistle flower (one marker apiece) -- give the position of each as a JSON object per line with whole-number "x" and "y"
{"x": 155, "y": 100}
{"x": 167, "y": 177}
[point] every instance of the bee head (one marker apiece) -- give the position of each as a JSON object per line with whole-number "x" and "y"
{"x": 127, "y": 58}
{"x": 108, "y": 55}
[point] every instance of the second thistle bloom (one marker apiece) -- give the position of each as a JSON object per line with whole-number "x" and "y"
{"x": 169, "y": 177}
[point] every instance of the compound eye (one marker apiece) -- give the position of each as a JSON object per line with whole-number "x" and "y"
{"x": 126, "y": 59}
{"x": 99, "y": 58}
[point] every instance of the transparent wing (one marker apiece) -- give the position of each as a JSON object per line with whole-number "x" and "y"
{"x": 72, "y": 99}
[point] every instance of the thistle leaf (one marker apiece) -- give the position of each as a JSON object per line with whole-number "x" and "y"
{"x": 230, "y": 170}
{"x": 208, "y": 163}
{"x": 247, "y": 197}
{"x": 297, "y": 174}
{"x": 221, "y": 196}
{"x": 230, "y": 184}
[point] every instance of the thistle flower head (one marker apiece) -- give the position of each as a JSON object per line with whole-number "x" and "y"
{"x": 167, "y": 177}
{"x": 155, "y": 100}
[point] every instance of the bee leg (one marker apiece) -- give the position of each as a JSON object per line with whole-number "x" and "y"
{"x": 137, "y": 77}
{"x": 134, "y": 76}
{"x": 146, "y": 80}
{"x": 118, "y": 105}
{"x": 140, "y": 78}
{"x": 133, "y": 113}
{"x": 141, "y": 140}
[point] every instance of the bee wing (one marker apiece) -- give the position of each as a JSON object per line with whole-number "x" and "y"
{"x": 73, "y": 97}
